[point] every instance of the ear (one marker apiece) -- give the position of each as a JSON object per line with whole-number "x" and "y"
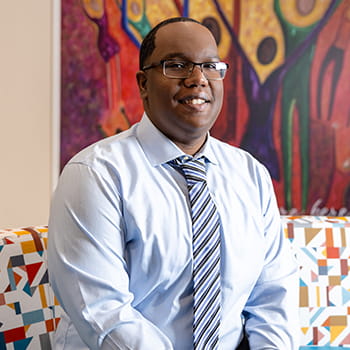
{"x": 142, "y": 83}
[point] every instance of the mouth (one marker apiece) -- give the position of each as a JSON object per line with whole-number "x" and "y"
{"x": 194, "y": 101}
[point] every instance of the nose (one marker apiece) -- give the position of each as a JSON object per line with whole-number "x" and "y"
{"x": 196, "y": 77}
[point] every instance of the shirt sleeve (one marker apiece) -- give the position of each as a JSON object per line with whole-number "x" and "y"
{"x": 271, "y": 313}
{"x": 87, "y": 263}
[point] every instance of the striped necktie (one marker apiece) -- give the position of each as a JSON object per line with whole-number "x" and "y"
{"x": 206, "y": 254}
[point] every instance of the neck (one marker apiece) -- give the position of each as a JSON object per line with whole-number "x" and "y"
{"x": 191, "y": 148}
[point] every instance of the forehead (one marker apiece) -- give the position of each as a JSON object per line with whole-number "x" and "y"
{"x": 188, "y": 40}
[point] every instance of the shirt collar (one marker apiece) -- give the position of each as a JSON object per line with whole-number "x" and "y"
{"x": 159, "y": 149}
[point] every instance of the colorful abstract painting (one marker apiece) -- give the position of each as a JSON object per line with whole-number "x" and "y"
{"x": 287, "y": 92}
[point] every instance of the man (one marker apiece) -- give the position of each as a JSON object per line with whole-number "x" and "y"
{"x": 122, "y": 259}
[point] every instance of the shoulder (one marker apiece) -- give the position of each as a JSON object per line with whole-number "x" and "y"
{"x": 107, "y": 159}
{"x": 236, "y": 158}
{"x": 107, "y": 150}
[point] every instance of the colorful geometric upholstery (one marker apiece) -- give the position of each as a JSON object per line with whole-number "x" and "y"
{"x": 322, "y": 248}
{"x": 29, "y": 312}
{"x": 27, "y": 303}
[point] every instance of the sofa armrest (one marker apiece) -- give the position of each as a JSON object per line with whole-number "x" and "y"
{"x": 322, "y": 248}
{"x": 27, "y": 303}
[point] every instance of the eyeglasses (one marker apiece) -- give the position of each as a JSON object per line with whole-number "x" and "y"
{"x": 183, "y": 69}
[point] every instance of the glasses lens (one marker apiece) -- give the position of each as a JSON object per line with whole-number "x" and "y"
{"x": 177, "y": 69}
{"x": 214, "y": 70}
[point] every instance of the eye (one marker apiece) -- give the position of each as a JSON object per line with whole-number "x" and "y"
{"x": 210, "y": 65}
{"x": 176, "y": 65}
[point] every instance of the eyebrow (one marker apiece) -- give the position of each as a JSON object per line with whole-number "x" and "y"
{"x": 181, "y": 56}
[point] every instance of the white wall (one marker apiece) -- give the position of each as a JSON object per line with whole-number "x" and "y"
{"x": 25, "y": 112}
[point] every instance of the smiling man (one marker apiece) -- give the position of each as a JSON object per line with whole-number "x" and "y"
{"x": 163, "y": 237}
{"x": 184, "y": 108}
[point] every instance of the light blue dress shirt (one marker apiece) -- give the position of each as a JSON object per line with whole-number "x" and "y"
{"x": 120, "y": 248}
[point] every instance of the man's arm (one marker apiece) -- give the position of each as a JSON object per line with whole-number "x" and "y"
{"x": 271, "y": 312}
{"x": 87, "y": 264}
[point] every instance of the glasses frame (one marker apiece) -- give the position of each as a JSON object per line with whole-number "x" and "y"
{"x": 200, "y": 65}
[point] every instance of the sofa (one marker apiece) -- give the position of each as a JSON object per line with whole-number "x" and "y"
{"x": 29, "y": 311}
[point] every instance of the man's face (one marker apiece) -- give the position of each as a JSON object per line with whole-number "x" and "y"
{"x": 183, "y": 109}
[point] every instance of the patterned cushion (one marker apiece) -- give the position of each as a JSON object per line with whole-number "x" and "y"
{"x": 322, "y": 248}
{"x": 27, "y": 312}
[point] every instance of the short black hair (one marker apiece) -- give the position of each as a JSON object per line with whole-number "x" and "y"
{"x": 148, "y": 43}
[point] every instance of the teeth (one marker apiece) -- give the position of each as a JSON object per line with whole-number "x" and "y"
{"x": 195, "y": 101}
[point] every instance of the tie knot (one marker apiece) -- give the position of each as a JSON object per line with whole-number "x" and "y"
{"x": 193, "y": 169}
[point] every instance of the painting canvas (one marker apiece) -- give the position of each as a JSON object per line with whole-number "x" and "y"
{"x": 287, "y": 91}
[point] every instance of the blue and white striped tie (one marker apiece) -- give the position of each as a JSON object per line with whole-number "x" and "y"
{"x": 206, "y": 254}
